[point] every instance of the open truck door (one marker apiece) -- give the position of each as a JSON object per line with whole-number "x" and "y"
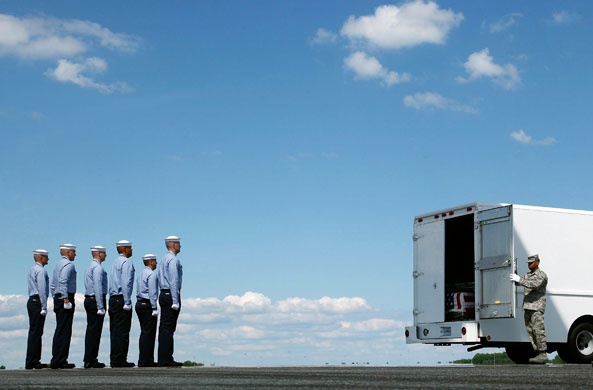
{"x": 429, "y": 276}
{"x": 496, "y": 262}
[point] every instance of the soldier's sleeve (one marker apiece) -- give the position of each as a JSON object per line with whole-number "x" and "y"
{"x": 128, "y": 282}
{"x": 98, "y": 286}
{"x": 42, "y": 288}
{"x": 536, "y": 281}
{"x": 63, "y": 277}
{"x": 152, "y": 289}
{"x": 174, "y": 281}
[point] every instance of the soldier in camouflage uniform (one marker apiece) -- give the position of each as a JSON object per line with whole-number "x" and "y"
{"x": 534, "y": 305}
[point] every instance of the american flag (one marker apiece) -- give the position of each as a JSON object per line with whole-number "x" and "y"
{"x": 460, "y": 302}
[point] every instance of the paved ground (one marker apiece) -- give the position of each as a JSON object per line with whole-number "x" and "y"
{"x": 499, "y": 377}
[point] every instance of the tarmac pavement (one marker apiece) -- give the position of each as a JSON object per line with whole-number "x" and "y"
{"x": 516, "y": 377}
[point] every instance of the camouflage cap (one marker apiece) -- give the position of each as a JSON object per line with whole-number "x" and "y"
{"x": 532, "y": 258}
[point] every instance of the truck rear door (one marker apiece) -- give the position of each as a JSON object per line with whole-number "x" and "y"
{"x": 496, "y": 295}
{"x": 429, "y": 272}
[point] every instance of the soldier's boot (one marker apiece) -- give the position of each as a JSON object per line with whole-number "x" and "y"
{"x": 541, "y": 358}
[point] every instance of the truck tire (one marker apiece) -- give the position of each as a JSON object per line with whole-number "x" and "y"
{"x": 520, "y": 353}
{"x": 579, "y": 348}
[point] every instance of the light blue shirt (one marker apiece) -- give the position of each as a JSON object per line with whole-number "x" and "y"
{"x": 39, "y": 283}
{"x": 95, "y": 282}
{"x": 63, "y": 279}
{"x": 121, "y": 278}
{"x": 148, "y": 286}
{"x": 170, "y": 275}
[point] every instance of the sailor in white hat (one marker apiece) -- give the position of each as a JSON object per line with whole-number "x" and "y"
{"x": 170, "y": 278}
{"x": 147, "y": 310}
{"x": 95, "y": 283}
{"x": 121, "y": 284}
{"x": 37, "y": 308}
{"x": 63, "y": 288}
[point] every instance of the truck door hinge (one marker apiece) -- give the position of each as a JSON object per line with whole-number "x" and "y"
{"x": 416, "y": 312}
{"x": 415, "y": 274}
{"x": 415, "y": 237}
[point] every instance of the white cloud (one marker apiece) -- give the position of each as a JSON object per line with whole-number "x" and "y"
{"x": 521, "y": 137}
{"x": 506, "y": 22}
{"x": 77, "y": 73}
{"x": 37, "y": 37}
{"x": 434, "y": 101}
{"x": 406, "y": 25}
{"x": 565, "y": 17}
{"x": 324, "y": 37}
{"x": 367, "y": 67}
{"x": 227, "y": 330}
{"x": 481, "y": 64}
{"x": 43, "y": 38}
{"x": 373, "y": 325}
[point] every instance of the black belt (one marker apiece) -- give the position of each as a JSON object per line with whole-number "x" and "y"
{"x": 92, "y": 296}
{"x": 165, "y": 290}
{"x": 36, "y": 296}
{"x": 116, "y": 295}
{"x": 143, "y": 299}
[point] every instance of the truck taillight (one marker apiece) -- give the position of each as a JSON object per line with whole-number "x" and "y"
{"x": 463, "y": 331}
{"x": 469, "y": 209}
{"x": 407, "y": 333}
{"x": 425, "y": 332}
{"x": 451, "y": 212}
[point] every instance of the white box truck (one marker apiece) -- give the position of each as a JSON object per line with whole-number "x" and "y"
{"x": 462, "y": 293}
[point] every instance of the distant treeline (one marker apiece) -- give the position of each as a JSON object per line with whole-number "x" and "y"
{"x": 490, "y": 359}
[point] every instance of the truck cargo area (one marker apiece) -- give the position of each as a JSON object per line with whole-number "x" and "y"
{"x": 459, "y": 268}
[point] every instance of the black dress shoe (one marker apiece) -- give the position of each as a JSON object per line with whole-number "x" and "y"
{"x": 37, "y": 366}
{"x": 147, "y": 364}
{"x": 94, "y": 365}
{"x": 122, "y": 365}
{"x": 65, "y": 366}
{"x": 170, "y": 364}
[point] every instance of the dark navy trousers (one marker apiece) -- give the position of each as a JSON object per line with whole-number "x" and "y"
{"x": 94, "y": 327}
{"x": 120, "y": 322}
{"x": 36, "y": 324}
{"x": 147, "y": 331}
{"x": 167, "y": 326}
{"x": 61, "y": 343}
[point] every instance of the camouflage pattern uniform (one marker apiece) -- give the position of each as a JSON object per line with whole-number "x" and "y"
{"x": 534, "y": 305}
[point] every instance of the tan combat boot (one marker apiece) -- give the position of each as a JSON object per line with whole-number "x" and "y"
{"x": 541, "y": 358}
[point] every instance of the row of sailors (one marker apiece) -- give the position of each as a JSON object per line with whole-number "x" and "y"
{"x": 63, "y": 288}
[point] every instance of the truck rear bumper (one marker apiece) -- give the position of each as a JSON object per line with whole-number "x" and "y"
{"x": 443, "y": 333}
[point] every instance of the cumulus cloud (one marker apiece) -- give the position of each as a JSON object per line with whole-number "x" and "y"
{"x": 225, "y": 331}
{"x": 67, "y": 40}
{"x": 407, "y": 25}
{"x": 324, "y": 37}
{"x": 481, "y": 64}
{"x": 434, "y": 101}
{"x": 565, "y": 17}
{"x": 78, "y": 73}
{"x": 38, "y": 37}
{"x": 521, "y": 137}
{"x": 368, "y": 67}
{"x": 506, "y": 22}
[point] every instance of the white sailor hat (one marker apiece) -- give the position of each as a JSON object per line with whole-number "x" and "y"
{"x": 149, "y": 256}
{"x": 123, "y": 243}
{"x": 42, "y": 252}
{"x": 172, "y": 239}
{"x": 69, "y": 247}
{"x": 98, "y": 248}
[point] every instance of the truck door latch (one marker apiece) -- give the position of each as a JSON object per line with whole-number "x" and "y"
{"x": 415, "y": 237}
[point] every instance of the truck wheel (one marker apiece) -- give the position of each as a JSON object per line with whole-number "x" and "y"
{"x": 520, "y": 353}
{"x": 580, "y": 344}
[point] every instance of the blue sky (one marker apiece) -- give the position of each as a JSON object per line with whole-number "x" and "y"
{"x": 289, "y": 144}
